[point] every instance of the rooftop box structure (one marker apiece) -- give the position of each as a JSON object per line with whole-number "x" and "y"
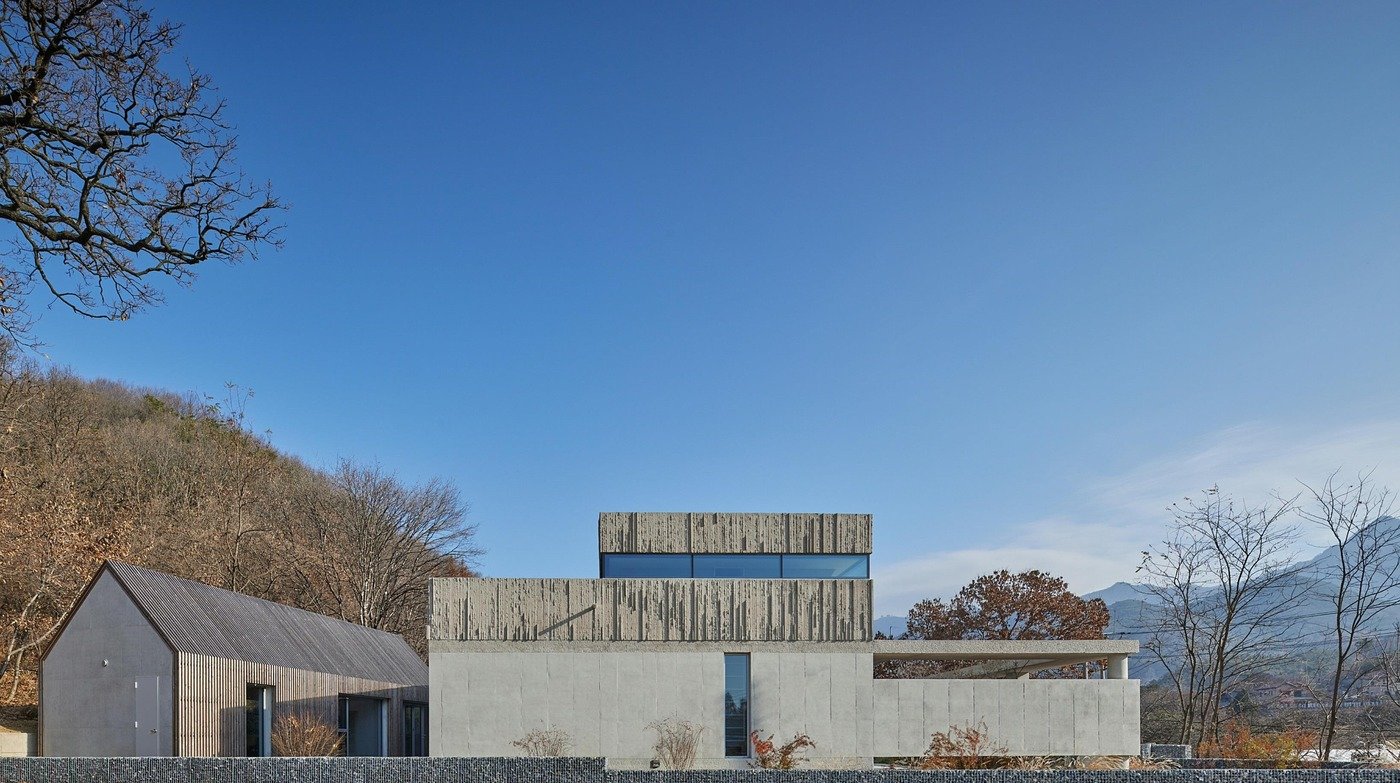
{"x": 741, "y": 623}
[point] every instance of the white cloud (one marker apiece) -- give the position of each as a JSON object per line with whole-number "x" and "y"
{"x": 1099, "y": 540}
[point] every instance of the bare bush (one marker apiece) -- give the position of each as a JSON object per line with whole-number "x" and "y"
{"x": 545, "y": 742}
{"x": 677, "y": 742}
{"x": 303, "y": 734}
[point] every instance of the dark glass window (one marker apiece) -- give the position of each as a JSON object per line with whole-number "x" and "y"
{"x": 415, "y": 729}
{"x": 736, "y": 704}
{"x": 738, "y": 567}
{"x": 645, "y": 566}
{"x": 826, "y": 566}
{"x": 258, "y": 732}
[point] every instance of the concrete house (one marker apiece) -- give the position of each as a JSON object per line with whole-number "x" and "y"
{"x": 740, "y": 623}
{"x": 148, "y": 664}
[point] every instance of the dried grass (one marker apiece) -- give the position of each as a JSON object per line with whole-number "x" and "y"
{"x": 545, "y": 742}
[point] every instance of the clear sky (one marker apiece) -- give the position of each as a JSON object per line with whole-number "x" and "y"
{"x": 1010, "y": 277}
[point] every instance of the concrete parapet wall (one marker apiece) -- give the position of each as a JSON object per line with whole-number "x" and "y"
{"x": 719, "y": 533}
{"x": 642, "y": 610}
{"x": 582, "y": 770}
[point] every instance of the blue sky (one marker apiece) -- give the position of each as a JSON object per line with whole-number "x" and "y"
{"x": 1010, "y": 277}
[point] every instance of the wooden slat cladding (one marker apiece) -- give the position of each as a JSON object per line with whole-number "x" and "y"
{"x": 644, "y": 610}
{"x": 699, "y": 533}
{"x": 212, "y": 701}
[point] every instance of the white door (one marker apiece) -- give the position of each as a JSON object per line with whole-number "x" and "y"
{"x": 145, "y": 728}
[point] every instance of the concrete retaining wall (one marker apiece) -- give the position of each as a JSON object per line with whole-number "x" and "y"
{"x": 580, "y": 770}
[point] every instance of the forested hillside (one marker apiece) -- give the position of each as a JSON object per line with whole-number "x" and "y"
{"x": 95, "y": 469}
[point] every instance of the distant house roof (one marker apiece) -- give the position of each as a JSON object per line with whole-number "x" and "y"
{"x": 203, "y": 620}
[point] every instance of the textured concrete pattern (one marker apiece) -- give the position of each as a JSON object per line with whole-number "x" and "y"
{"x": 585, "y": 770}
{"x": 604, "y": 701}
{"x": 687, "y": 610}
{"x": 719, "y": 533}
{"x": 90, "y": 702}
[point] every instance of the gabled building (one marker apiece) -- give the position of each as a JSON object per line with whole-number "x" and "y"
{"x": 148, "y": 664}
{"x": 740, "y": 623}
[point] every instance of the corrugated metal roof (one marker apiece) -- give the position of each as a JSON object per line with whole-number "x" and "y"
{"x": 204, "y": 620}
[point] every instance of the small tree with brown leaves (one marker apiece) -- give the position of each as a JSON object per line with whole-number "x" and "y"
{"x": 1002, "y": 605}
{"x": 303, "y": 734}
{"x": 970, "y": 747}
{"x": 767, "y": 755}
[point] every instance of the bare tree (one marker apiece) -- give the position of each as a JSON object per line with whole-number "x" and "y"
{"x": 1359, "y": 584}
{"x": 114, "y": 171}
{"x": 1222, "y": 588}
{"x": 377, "y": 542}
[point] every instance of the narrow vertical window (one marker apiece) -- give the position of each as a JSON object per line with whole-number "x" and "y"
{"x": 259, "y": 721}
{"x": 736, "y": 704}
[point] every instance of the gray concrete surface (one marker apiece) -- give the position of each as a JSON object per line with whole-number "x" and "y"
{"x": 585, "y": 770}
{"x": 89, "y": 700}
{"x": 17, "y": 743}
{"x": 482, "y": 701}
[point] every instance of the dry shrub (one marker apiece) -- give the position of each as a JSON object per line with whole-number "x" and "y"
{"x": 677, "y": 742}
{"x": 769, "y": 756}
{"x": 1030, "y": 763}
{"x": 1151, "y": 765}
{"x": 303, "y": 734}
{"x": 961, "y": 747}
{"x": 545, "y": 742}
{"x": 1281, "y": 749}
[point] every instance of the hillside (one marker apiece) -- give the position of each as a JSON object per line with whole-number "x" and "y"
{"x": 92, "y": 469}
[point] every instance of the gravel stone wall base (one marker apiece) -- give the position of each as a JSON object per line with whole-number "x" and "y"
{"x": 586, "y": 770}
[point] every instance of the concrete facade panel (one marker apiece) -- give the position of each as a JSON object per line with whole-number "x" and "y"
{"x": 1045, "y": 710}
{"x": 89, "y": 705}
{"x": 723, "y": 533}
{"x": 665, "y": 610}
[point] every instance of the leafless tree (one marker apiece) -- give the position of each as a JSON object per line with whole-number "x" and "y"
{"x": 377, "y": 543}
{"x": 1222, "y": 588}
{"x": 114, "y": 171}
{"x": 1359, "y": 584}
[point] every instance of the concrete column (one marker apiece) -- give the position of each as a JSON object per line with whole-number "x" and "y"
{"x": 1118, "y": 667}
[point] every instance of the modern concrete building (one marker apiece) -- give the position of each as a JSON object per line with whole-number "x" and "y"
{"x": 740, "y": 623}
{"x": 148, "y": 664}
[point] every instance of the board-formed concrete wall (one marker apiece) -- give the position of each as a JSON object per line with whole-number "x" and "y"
{"x": 642, "y": 610}
{"x": 604, "y": 698}
{"x": 718, "y": 533}
{"x": 585, "y": 770}
{"x": 88, "y": 702}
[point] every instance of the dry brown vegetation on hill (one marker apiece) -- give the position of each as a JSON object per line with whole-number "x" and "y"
{"x": 91, "y": 470}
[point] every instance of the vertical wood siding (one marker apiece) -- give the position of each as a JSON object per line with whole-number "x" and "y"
{"x": 734, "y": 533}
{"x": 211, "y": 701}
{"x": 651, "y": 609}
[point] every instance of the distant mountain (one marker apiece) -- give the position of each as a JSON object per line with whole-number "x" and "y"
{"x": 1119, "y": 591}
{"x": 1129, "y": 608}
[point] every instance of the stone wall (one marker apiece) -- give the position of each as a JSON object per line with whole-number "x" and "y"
{"x": 581, "y": 770}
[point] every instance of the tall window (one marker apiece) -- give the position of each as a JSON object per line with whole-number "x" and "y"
{"x": 259, "y": 721}
{"x": 415, "y": 729}
{"x": 736, "y": 704}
